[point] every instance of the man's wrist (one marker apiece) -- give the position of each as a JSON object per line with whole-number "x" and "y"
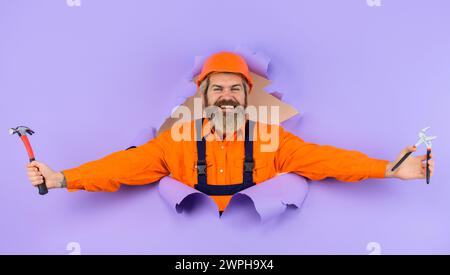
{"x": 388, "y": 173}
{"x": 63, "y": 182}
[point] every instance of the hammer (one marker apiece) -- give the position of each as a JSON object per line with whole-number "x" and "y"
{"x": 22, "y": 131}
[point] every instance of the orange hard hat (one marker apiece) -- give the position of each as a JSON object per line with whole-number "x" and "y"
{"x": 225, "y": 62}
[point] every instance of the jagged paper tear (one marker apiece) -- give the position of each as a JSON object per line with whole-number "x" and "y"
{"x": 270, "y": 198}
{"x": 258, "y": 65}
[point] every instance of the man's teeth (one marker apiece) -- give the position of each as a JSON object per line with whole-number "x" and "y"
{"x": 227, "y": 107}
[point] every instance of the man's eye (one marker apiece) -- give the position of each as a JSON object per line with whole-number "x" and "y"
{"x": 217, "y": 89}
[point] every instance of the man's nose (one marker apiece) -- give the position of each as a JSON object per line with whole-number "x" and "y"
{"x": 227, "y": 93}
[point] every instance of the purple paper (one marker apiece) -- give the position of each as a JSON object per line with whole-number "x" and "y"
{"x": 272, "y": 197}
{"x": 269, "y": 198}
{"x": 258, "y": 62}
{"x": 277, "y": 95}
{"x": 144, "y": 136}
{"x": 176, "y": 193}
{"x": 86, "y": 79}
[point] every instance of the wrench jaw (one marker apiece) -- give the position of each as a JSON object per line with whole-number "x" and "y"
{"x": 422, "y": 132}
{"x": 423, "y": 138}
{"x": 428, "y": 141}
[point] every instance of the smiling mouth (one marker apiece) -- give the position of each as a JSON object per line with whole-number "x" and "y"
{"x": 227, "y": 108}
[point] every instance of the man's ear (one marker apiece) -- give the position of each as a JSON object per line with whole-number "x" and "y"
{"x": 204, "y": 98}
{"x": 246, "y": 97}
{"x": 203, "y": 88}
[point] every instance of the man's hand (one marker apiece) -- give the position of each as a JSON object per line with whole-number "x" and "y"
{"x": 411, "y": 168}
{"x": 52, "y": 179}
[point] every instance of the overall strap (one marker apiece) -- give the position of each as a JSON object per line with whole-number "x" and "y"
{"x": 201, "y": 164}
{"x": 201, "y": 153}
{"x": 248, "y": 161}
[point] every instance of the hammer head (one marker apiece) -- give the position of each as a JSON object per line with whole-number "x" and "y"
{"x": 21, "y": 130}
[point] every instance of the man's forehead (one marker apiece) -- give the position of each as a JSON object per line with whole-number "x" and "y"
{"x": 225, "y": 79}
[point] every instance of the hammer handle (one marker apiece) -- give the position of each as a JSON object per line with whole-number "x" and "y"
{"x": 27, "y": 144}
{"x": 42, "y": 187}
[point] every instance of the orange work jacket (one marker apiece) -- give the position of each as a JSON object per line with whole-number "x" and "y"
{"x": 275, "y": 151}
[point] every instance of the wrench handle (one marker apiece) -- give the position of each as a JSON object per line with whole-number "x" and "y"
{"x": 401, "y": 161}
{"x": 428, "y": 165}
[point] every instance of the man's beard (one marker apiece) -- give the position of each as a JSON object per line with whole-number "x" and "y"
{"x": 227, "y": 116}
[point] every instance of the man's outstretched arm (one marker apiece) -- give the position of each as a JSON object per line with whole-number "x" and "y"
{"x": 317, "y": 162}
{"x": 137, "y": 166}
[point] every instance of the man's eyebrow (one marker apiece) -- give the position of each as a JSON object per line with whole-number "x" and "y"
{"x": 220, "y": 86}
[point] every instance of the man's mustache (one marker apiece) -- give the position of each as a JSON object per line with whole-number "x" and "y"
{"x": 215, "y": 109}
{"x": 229, "y": 102}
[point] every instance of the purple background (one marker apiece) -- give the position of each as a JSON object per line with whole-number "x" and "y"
{"x": 88, "y": 79}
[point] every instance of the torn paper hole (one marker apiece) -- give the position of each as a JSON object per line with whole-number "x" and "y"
{"x": 258, "y": 65}
{"x": 270, "y": 198}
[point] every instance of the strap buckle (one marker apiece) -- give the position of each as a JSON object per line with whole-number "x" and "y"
{"x": 249, "y": 165}
{"x": 201, "y": 167}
